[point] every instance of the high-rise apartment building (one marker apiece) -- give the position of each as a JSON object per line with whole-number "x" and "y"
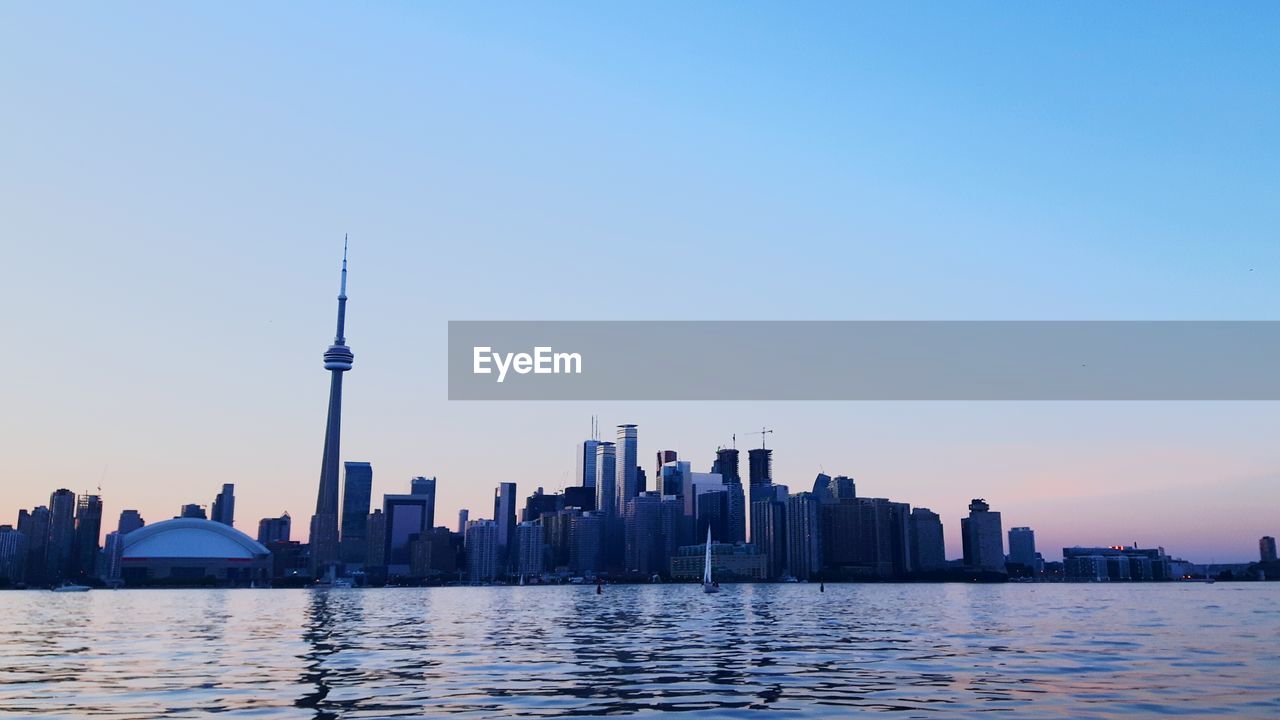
{"x": 357, "y": 499}
{"x": 983, "y": 538}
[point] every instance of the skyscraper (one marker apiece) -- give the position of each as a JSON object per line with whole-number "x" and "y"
{"x": 627, "y": 455}
{"x": 769, "y": 528}
{"x": 34, "y": 526}
{"x": 481, "y": 541}
{"x": 1022, "y": 546}
{"x": 277, "y": 529}
{"x": 760, "y": 473}
{"x": 504, "y": 517}
{"x": 664, "y": 457}
{"x": 376, "y": 555}
{"x": 606, "y": 479}
{"x": 530, "y": 550}
{"x": 643, "y": 535}
{"x": 13, "y": 556}
{"x": 224, "y": 505}
{"x": 804, "y": 535}
{"x": 463, "y": 516}
{"x": 982, "y": 537}
{"x": 193, "y": 510}
{"x": 357, "y": 494}
{"x": 585, "y": 463}
{"x": 62, "y": 533}
{"x": 324, "y": 524}
{"x": 1267, "y": 549}
{"x": 726, "y": 466}
{"x": 88, "y": 531}
{"x": 406, "y": 516}
{"x": 928, "y": 551}
{"x": 130, "y": 520}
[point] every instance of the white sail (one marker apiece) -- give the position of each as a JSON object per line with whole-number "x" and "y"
{"x": 706, "y": 572}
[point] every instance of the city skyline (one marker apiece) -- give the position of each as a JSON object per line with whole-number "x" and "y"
{"x": 1097, "y": 171}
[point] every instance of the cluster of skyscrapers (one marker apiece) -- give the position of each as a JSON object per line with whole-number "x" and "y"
{"x": 615, "y": 520}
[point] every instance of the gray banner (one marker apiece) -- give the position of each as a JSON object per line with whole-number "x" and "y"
{"x": 863, "y": 360}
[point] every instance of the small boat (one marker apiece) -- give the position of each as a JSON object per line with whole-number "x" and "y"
{"x": 69, "y": 586}
{"x": 707, "y": 585}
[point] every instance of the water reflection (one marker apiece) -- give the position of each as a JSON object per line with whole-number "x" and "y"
{"x": 1064, "y": 650}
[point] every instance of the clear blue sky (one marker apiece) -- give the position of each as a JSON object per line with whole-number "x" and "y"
{"x": 175, "y": 180}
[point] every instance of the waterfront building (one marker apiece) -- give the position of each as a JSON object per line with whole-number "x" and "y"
{"x": 130, "y": 520}
{"x": 982, "y": 537}
{"x": 1267, "y": 549}
{"x": 357, "y": 499}
{"x": 643, "y": 531}
{"x": 1022, "y": 550}
{"x": 866, "y": 538}
{"x": 729, "y": 562}
{"x": 804, "y": 536}
{"x": 84, "y": 559}
{"x": 223, "y": 509}
{"x": 425, "y": 488}
{"x": 585, "y": 534}
{"x": 277, "y": 529}
{"x": 504, "y": 515}
{"x": 13, "y": 556}
{"x": 191, "y": 550}
{"x": 1117, "y": 563}
{"x": 376, "y": 553}
{"x": 928, "y": 549}
{"x": 113, "y": 558}
{"x": 34, "y": 526}
{"x": 530, "y": 550}
{"x": 482, "y": 550}
{"x": 769, "y": 528}
{"x": 338, "y": 359}
{"x": 405, "y": 516}
{"x": 434, "y": 554}
{"x": 62, "y": 534}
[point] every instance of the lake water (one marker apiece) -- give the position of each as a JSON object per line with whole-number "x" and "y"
{"x": 923, "y": 650}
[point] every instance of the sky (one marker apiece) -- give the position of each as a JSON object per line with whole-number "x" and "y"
{"x": 176, "y": 180}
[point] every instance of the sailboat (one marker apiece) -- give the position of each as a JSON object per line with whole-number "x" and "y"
{"x": 707, "y": 585}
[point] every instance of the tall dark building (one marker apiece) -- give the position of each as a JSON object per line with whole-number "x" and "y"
{"x": 357, "y": 493}
{"x": 425, "y": 488}
{"x": 405, "y": 516}
{"x": 539, "y": 504}
{"x": 224, "y": 506}
{"x": 376, "y": 555}
{"x": 62, "y": 534}
{"x": 928, "y": 549}
{"x": 804, "y": 536}
{"x": 193, "y": 510}
{"x": 866, "y": 537}
{"x": 324, "y": 524}
{"x": 726, "y": 464}
{"x": 760, "y": 471}
{"x": 983, "y": 538}
{"x": 1267, "y": 549}
{"x": 88, "y": 531}
{"x": 13, "y": 556}
{"x": 130, "y": 520}
{"x": 35, "y": 526}
{"x": 642, "y": 519}
{"x": 504, "y": 514}
{"x": 769, "y": 528}
{"x": 273, "y": 530}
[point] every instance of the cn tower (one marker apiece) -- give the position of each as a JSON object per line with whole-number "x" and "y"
{"x": 324, "y": 524}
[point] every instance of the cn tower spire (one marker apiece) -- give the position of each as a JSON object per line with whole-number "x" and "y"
{"x": 324, "y": 524}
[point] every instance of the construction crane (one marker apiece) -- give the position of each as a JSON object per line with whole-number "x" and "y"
{"x": 762, "y": 432}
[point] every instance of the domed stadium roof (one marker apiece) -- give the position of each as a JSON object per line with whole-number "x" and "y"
{"x": 191, "y": 538}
